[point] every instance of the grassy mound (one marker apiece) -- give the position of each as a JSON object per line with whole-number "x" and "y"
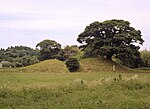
{"x": 52, "y": 65}
{"x": 100, "y": 65}
{"x": 86, "y": 65}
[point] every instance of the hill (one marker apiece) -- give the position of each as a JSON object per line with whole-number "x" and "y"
{"x": 100, "y": 65}
{"x": 86, "y": 65}
{"x": 52, "y": 65}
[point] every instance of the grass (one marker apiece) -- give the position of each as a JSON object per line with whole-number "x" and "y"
{"x": 47, "y": 86}
{"x": 80, "y": 90}
{"x": 100, "y": 65}
{"x": 53, "y": 65}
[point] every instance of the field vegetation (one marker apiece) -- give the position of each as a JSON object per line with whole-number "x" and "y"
{"x": 43, "y": 88}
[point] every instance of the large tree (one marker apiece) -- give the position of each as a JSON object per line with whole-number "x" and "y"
{"x": 111, "y": 37}
{"x": 49, "y": 49}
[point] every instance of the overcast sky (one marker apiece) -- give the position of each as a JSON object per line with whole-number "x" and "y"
{"x": 27, "y": 22}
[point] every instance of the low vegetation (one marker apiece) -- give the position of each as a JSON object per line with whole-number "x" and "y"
{"x": 101, "y": 65}
{"x": 52, "y": 66}
{"x": 79, "y": 90}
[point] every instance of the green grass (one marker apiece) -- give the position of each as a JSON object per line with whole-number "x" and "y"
{"x": 100, "y": 65}
{"x": 51, "y": 66}
{"x": 47, "y": 86}
{"x": 74, "y": 90}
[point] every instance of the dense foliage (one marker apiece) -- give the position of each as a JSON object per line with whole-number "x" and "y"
{"x": 112, "y": 38}
{"x": 145, "y": 54}
{"x": 72, "y": 64}
{"x": 19, "y": 55}
{"x": 49, "y": 49}
{"x": 71, "y": 51}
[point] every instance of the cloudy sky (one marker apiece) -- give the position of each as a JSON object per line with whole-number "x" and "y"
{"x": 27, "y": 22}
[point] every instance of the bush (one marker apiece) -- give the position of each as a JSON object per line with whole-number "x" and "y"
{"x": 72, "y": 64}
{"x": 18, "y": 64}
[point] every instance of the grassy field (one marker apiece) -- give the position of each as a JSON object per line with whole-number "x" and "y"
{"x": 22, "y": 89}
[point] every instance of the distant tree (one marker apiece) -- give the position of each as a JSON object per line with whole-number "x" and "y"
{"x": 28, "y": 60}
{"x": 48, "y": 49}
{"x": 145, "y": 54}
{"x": 112, "y": 38}
{"x": 18, "y": 53}
{"x": 70, "y": 51}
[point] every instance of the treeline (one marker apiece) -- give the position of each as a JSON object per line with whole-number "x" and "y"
{"x": 111, "y": 39}
{"x": 20, "y": 56}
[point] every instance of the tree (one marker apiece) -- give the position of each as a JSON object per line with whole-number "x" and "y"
{"x": 70, "y": 51}
{"x": 48, "y": 49}
{"x": 145, "y": 54}
{"x": 111, "y": 38}
{"x": 72, "y": 64}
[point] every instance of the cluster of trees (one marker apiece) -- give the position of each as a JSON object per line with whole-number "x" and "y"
{"x": 20, "y": 56}
{"x": 50, "y": 49}
{"x": 109, "y": 39}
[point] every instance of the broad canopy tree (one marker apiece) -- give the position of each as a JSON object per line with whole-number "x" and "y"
{"x": 49, "y": 49}
{"x": 112, "y": 38}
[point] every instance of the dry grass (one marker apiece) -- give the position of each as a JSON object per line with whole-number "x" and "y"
{"x": 100, "y": 65}
{"x": 53, "y": 66}
{"x": 86, "y": 65}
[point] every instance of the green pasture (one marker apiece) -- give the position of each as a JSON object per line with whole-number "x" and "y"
{"x": 47, "y": 86}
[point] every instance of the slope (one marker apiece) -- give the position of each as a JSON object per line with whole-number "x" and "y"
{"x": 100, "y": 65}
{"x": 52, "y": 65}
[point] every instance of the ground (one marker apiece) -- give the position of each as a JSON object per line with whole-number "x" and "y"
{"x": 22, "y": 89}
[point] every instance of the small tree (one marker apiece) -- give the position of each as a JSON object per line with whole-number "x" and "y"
{"x": 72, "y": 64}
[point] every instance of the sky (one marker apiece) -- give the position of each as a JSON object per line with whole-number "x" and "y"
{"x": 28, "y": 22}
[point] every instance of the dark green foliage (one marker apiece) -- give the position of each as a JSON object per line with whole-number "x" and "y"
{"x": 18, "y": 64}
{"x": 145, "y": 54}
{"x": 48, "y": 49}
{"x": 69, "y": 52}
{"x": 19, "y": 55}
{"x": 72, "y": 64}
{"x": 28, "y": 60}
{"x": 112, "y": 37}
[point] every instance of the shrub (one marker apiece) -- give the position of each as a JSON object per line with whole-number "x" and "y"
{"x": 18, "y": 64}
{"x": 72, "y": 64}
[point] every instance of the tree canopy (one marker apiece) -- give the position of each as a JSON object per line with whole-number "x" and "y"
{"x": 112, "y": 38}
{"x": 48, "y": 49}
{"x": 145, "y": 54}
{"x": 19, "y": 55}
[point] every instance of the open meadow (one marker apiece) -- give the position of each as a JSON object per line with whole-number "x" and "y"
{"x": 80, "y": 90}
